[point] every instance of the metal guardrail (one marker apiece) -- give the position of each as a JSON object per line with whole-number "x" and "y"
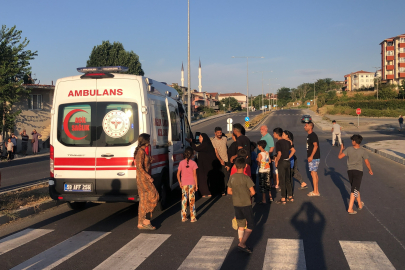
{"x": 23, "y": 185}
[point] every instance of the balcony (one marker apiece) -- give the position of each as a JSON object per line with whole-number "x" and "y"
{"x": 402, "y": 54}
{"x": 390, "y": 58}
{"x": 401, "y": 45}
{"x": 401, "y": 74}
{"x": 390, "y": 48}
{"x": 390, "y": 76}
{"x": 401, "y": 64}
{"x": 390, "y": 67}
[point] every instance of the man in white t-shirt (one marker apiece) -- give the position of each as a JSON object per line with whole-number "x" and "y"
{"x": 336, "y": 131}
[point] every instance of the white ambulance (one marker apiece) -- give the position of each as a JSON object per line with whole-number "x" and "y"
{"x": 96, "y": 120}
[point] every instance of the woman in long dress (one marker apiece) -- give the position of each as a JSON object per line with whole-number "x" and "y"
{"x": 148, "y": 195}
{"x": 206, "y": 157}
{"x": 35, "y": 141}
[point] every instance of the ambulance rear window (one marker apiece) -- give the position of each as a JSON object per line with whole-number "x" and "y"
{"x": 99, "y": 124}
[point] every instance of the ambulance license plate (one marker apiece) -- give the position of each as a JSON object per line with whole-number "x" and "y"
{"x": 78, "y": 187}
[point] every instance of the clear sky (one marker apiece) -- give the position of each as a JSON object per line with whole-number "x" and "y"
{"x": 300, "y": 40}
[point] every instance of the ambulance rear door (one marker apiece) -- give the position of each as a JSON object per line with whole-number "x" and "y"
{"x": 74, "y": 128}
{"x": 118, "y": 127}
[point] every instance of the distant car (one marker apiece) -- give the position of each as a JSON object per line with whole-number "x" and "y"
{"x": 228, "y": 111}
{"x": 306, "y": 118}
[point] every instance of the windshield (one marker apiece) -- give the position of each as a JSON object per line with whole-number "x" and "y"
{"x": 99, "y": 124}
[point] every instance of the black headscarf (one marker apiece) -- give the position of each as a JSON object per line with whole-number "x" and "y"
{"x": 206, "y": 145}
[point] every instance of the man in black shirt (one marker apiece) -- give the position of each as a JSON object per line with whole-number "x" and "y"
{"x": 242, "y": 141}
{"x": 283, "y": 166}
{"x": 314, "y": 155}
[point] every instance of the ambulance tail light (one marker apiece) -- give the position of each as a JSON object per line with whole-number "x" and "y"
{"x": 51, "y": 154}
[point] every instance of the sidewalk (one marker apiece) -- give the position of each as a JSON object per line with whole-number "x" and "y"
{"x": 392, "y": 149}
{"x": 44, "y": 152}
{"x": 349, "y": 123}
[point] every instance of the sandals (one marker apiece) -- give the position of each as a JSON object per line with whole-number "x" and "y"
{"x": 193, "y": 220}
{"x": 281, "y": 202}
{"x": 290, "y": 199}
{"x": 362, "y": 205}
{"x": 271, "y": 199}
{"x": 147, "y": 227}
{"x": 246, "y": 249}
{"x": 303, "y": 187}
{"x": 184, "y": 219}
{"x": 352, "y": 213}
{"x": 312, "y": 194}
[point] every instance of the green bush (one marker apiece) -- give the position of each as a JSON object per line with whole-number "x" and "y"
{"x": 374, "y": 104}
{"x": 345, "y": 110}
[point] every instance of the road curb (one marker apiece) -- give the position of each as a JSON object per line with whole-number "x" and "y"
{"x": 379, "y": 152}
{"x": 31, "y": 210}
{"x": 207, "y": 119}
{"x": 261, "y": 121}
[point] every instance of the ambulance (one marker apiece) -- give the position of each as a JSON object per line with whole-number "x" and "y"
{"x": 96, "y": 119}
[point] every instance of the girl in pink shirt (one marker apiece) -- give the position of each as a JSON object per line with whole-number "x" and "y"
{"x": 187, "y": 177}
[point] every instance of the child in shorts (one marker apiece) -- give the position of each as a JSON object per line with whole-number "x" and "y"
{"x": 264, "y": 170}
{"x": 241, "y": 187}
{"x": 247, "y": 171}
{"x": 355, "y": 156}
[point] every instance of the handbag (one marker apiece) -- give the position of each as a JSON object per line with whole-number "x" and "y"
{"x": 32, "y": 140}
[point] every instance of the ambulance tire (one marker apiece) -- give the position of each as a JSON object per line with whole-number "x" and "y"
{"x": 164, "y": 191}
{"x": 77, "y": 205}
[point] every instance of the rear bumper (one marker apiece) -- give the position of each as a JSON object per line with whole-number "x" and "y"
{"x": 114, "y": 194}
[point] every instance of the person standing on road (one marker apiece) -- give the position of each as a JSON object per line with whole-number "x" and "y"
{"x": 219, "y": 143}
{"x": 355, "y": 156}
{"x": 264, "y": 170}
{"x": 24, "y": 142}
{"x": 187, "y": 177}
{"x": 35, "y": 141}
{"x": 282, "y": 162}
{"x": 269, "y": 148}
{"x": 243, "y": 142}
{"x": 242, "y": 190}
{"x": 314, "y": 156}
{"x": 9, "y": 146}
{"x": 401, "y": 122}
{"x": 206, "y": 158}
{"x": 148, "y": 195}
{"x": 336, "y": 131}
{"x": 14, "y": 141}
{"x": 287, "y": 135}
{"x": 253, "y": 155}
{"x": 232, "y": 150}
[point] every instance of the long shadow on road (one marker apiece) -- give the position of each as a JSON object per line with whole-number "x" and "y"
{"x": 338, "y": 179}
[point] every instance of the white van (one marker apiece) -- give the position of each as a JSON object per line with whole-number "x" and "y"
{"x": 96, "y": 120}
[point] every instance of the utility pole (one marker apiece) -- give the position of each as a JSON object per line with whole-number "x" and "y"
{"x": 188, "y": 69}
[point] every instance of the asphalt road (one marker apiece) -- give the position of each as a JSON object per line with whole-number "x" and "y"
{"x": 314, "y": 232}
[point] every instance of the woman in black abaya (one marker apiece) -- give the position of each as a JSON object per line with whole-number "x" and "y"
{"x": 206, "y": 157}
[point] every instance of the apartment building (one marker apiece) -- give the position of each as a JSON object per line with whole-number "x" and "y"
{"x": 241, "y": 98}
{"x": 393, "y": 59}
{"x": 358, "y": 80}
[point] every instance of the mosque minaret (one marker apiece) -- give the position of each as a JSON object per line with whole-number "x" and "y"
{"x": 199, "y": 78}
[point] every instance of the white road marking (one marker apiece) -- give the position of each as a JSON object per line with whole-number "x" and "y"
{"x": 209, "y": 253}
{"x": 135, "y": 252}
{"x": 56, "y": 255}
{"x": 365, "y": 255}
{"x": 18, "y": 239}
{"x": 284, "y": 254}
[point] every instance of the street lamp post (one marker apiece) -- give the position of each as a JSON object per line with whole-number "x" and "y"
{"x": 270, "y": 91}
{"x": 247, "y": 72}
{"x": 262, "y": 87}
{"x": 188, "y": 68}
{"x": 314, "y": 92}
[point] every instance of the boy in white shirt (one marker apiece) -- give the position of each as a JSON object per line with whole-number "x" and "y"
{"x": 10, "y": 149}
{"x": 263, "y": 160}
{"x": 336, "y": 131}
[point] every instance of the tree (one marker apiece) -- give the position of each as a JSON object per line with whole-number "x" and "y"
{"x": 402, "y": 90}
{"x": 284, "y": 93}
{"x": 386, "y": 91}
{"x": 230, "y": 103}
{"x": 178, "y": 89}
{"x": 108, "y": 54}
{"x": 14, "y": 65}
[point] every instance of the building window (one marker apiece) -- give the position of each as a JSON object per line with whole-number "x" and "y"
{"x": 390, "y": 43}
{"x": 402, "y": 60}
{"x": 35, "y": 102}
{"x": 390, "y": 52}
{"x": 402, "y": 69}
{"x": 362, "y": 80}
{"x": 402, "y": 40}
{"x": 367, "y": 80}
{"x": 402, "y": 50}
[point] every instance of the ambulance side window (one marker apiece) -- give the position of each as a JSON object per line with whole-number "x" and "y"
{"x": 187, "y": 131}
{"x": 161, "y": 123}
{"x": 175, "y": 123}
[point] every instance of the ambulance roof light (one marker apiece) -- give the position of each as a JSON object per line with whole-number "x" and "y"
{"x": 102, "y": 69}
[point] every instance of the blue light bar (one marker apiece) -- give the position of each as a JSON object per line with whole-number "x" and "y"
{"x": 102, "y": 69}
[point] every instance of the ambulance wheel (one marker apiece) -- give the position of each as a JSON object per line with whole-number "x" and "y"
{"x": 77, "y": 205}
{"x": 164, "y": 192}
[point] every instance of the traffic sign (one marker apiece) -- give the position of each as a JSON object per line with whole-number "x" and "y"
{"x": 229, "y": 127}
{"x": 247, "y": 124}
{"x": 229, "y": 120}
{"x": 358, "y": 111}
{"x": 308, "y": 103}
{"x": 247, "y": 119}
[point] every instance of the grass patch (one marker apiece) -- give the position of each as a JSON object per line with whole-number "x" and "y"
{"x": 11, "y": 201}
{"x": 345, "y": 110}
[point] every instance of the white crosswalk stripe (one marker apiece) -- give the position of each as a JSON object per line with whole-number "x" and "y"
{"x": 209, "y": 253}
{"x": 284, "y": 254}
{"x": 54, "y": 256}
{"x": 134, "y": 253}
{"x": 365, "y": 255}
{"x": 18, "y": 239}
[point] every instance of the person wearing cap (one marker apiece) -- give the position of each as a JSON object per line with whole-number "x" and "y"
{"x": 336, "y": 131}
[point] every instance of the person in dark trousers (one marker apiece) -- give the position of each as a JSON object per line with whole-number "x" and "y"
{"x": 295, "y": 173}
{"x": 253, "y": 155}
{"x": 10, "y": 147}
{"x": 243, "y": 142}
{"x": 220, "y": 145}
{"x": 282, "y": 163}
{"x": 355, "y": 156}
{"x": 314, "y": 156}
{"x": 14, "y": 141}
{"x": 401, "y": 122}
{"x": 24, "y": 142}
{"x": 232, "y": 151}
{"x": 205, "y": 161}
{"x": 242, "y": 190}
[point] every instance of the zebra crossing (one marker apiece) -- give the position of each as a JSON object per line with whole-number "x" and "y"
{"x": 208, "y": 253}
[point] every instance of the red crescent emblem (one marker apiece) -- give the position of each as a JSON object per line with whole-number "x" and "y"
{"x": 66, "y": 127}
